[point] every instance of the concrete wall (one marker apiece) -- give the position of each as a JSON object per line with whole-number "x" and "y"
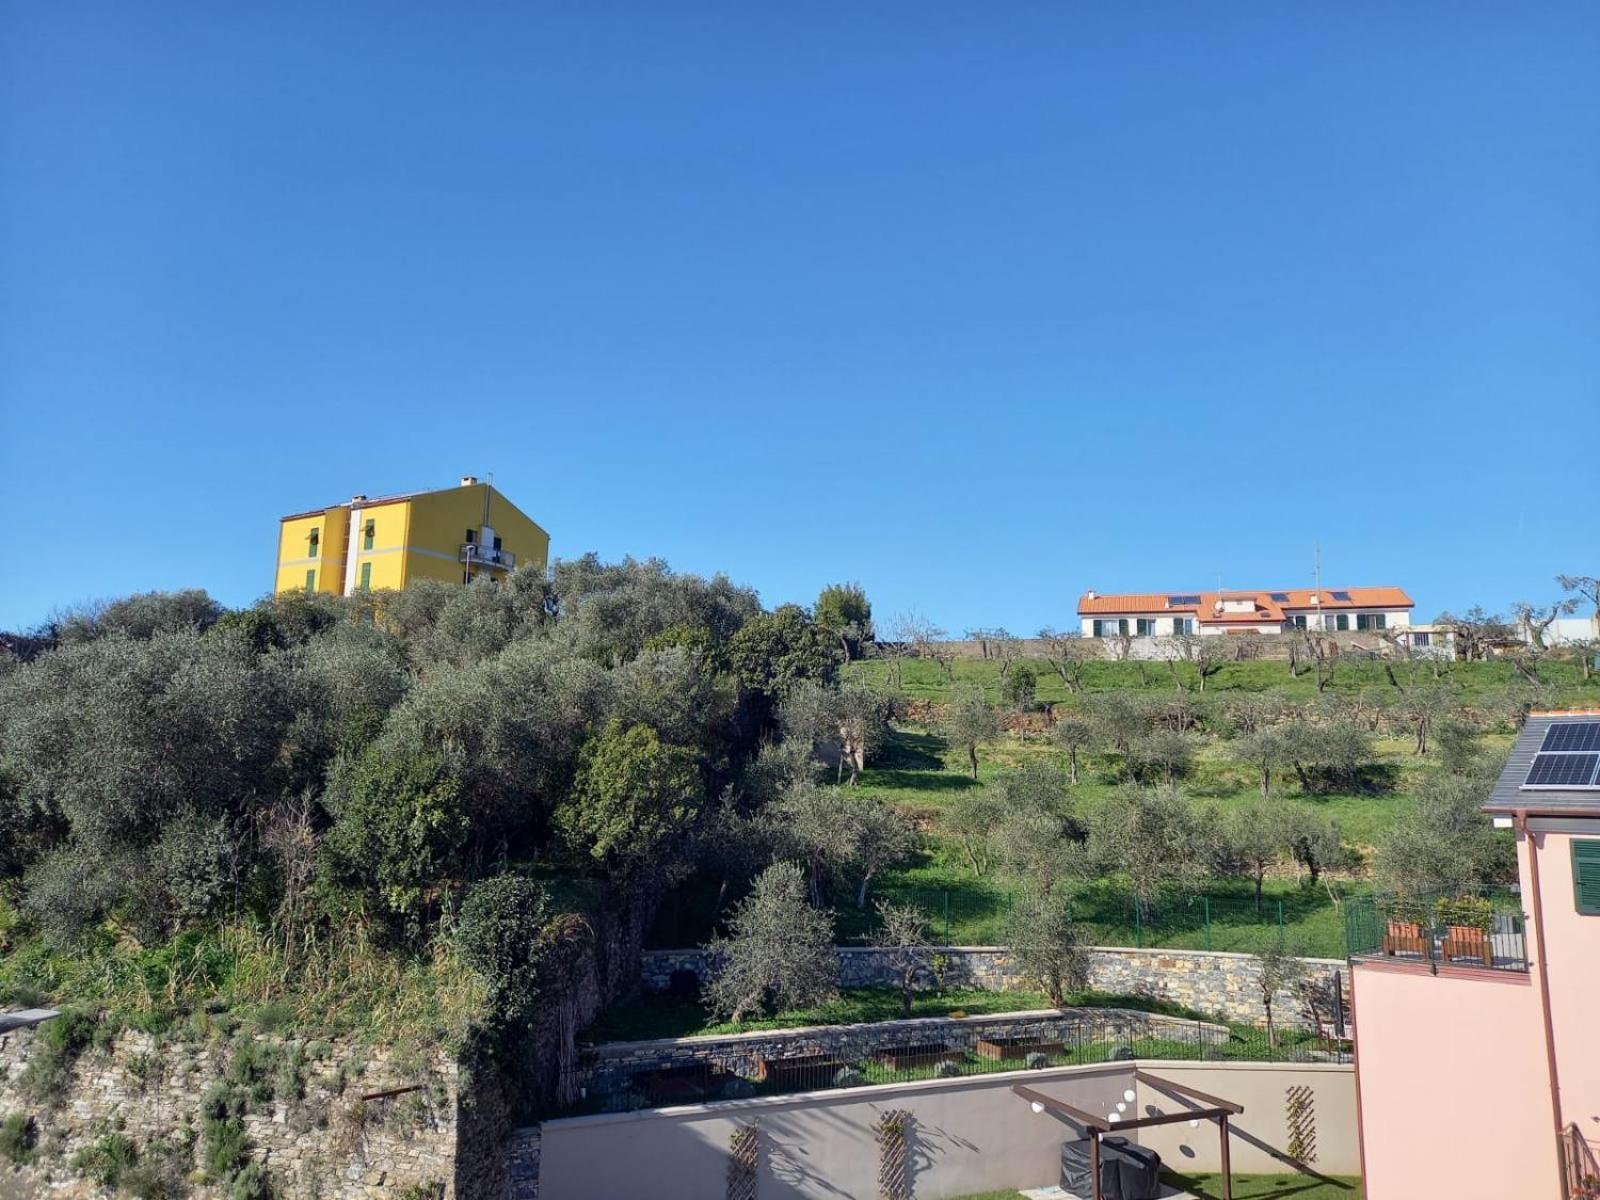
{"x": 967, "y": 1136}
{"x": 1220, "y": 984}
{"x": 1452, "y": 1078}
{"x": 1260, "y": 1140}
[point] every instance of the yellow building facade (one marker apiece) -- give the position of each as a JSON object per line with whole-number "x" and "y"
{"x": 453, "y": 535}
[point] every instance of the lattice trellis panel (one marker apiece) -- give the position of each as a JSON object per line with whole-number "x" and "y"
{"x": 744, "y": 1162}
{"x": 894, "y": 1156}
{"x": 1300, "y": 1112}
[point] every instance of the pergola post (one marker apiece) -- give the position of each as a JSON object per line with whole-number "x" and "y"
{"x": 1094, "y": 1164}
{"x": 1227, "y": 1166}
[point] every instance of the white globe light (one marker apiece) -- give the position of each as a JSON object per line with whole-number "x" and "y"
{"x": 1121, "y": 1107}
{"x": 1037, "y": 1107}
{"x": 1113, "y": 1117}
{"x": 1128, "y": 1095}
{"x": 1194, "y": 1124}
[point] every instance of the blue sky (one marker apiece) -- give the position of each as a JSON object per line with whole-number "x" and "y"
{"x": 980, "y": 305}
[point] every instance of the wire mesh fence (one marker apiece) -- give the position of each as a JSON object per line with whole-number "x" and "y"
{"x": 1306, "y": 920}
{"x": 627, "y": 1080}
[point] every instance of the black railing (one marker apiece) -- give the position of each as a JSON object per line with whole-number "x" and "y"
{"x": 625, "y": 1081}
{"x": 1484, "y": 931}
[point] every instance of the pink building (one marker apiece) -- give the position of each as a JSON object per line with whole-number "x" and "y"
{"x": 1478, "y": 1024}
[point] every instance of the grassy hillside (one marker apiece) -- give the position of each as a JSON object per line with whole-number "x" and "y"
{"x": 923, "y": 776}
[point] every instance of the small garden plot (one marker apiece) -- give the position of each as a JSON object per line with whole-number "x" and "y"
{"x": 1003, "y": 1049}
{"x": 921, "y": 1054}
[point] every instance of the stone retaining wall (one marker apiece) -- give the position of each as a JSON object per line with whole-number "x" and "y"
{"x": 1223, "y": 985}
{"x": 314, "y": 1132}
{"x": 609, "y": 1068}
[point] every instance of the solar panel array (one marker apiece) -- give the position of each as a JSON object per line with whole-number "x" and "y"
{"x": 1281, "y": 597}
{"x": 1183, "y": 600}
{"x": 1341, "y": 595}
{"x": 1568, "y": 758}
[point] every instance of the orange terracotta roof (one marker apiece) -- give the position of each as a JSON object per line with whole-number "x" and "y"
{"x": 1299, "y": 600}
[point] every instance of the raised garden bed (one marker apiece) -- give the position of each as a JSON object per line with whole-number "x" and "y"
{"x": 921, "y": 1054}
{"x": 802, "y": 1071}
{"x": 673, "y": 1084}
{"x": 1002, "y": 1048}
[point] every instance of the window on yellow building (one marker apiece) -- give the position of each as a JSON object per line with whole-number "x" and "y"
{"x": 367, "y": 535}
{"x": 366, "y": 577}
{"x": 316, "y": 538}
{"x": 311, "y": 580}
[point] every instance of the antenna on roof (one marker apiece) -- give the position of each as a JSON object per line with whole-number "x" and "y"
{"x": 1316, "y": 571}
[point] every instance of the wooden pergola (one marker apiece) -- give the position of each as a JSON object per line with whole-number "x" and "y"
{"x": 1214, "y": 1108}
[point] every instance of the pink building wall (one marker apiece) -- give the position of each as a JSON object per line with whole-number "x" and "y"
{"x": 1572, "y": 948}
{"x": 1450, "y": 1070}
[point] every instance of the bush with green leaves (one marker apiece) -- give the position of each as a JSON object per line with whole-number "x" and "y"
{"x": 633, "y": 795}
{"x": 56, "y": 1048}
{"x": 106, "y": 1159}
{"x": 401, "y": 823}
{"x": 498, "y": 933}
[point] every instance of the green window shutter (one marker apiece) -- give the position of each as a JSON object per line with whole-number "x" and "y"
{"x": 1586, "y": 875}
{"x": 371, "y": 528}
{"x": 311, "y": 580}
{"x": 366, "y": 577}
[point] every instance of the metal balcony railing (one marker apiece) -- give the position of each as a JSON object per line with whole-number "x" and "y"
{"x": 487, "y": 556}
{"x": 1483, "y": 931}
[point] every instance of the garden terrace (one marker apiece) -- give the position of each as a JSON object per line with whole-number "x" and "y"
{"x": 627, "y": 1076}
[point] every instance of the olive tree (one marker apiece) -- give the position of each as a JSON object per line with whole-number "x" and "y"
{"x": 1046, "y": 948}
{"x": 902, "y": 941}
{"x": 778, "y": 953}
{"x": 971, "y": 722}
{"x": 1152, "y": 836}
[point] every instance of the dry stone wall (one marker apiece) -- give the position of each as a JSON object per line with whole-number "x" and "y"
{"x": 334, "y": 1121}
{"x": 1222, "y": 985}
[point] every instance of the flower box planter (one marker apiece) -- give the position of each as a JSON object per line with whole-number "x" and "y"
{"x": 923, "y": 1054}
{"x": 1001, "y": 1049}
{"x": 1467, "y": 942}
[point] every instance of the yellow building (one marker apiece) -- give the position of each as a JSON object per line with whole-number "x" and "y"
{"x": 454, "y": 535}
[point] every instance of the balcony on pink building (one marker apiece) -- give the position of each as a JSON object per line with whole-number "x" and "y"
{"x": 1479, "y": 932}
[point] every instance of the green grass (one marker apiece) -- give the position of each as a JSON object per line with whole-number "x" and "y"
{"x": 1288, "y": 1186}
{"x": 644, "y": 1017}
{"x": 924, "y": 777}
{"x": 1245, "y": 1187}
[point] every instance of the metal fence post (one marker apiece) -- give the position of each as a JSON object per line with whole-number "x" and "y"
{"x": 1280, "y": 920}
{"x": 1138, "y": 924}
{"x": 1206, "y": 900}
{"x": 947, "y": 916}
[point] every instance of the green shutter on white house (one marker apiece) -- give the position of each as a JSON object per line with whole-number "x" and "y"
{"x": 1586, "y": 875}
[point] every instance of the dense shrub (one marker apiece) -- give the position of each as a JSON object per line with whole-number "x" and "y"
{"x": 498, "y": 935}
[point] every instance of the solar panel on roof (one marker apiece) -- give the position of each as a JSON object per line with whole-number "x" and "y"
{"x": 1572, "y": 735}
{"x": 1183, "y": 599}
{"x": 1563, "y": 770}
{"x": 1281, "y": 597}
{"x": 1341, "y": 595}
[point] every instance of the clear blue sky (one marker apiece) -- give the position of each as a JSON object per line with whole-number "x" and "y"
{"x": 978, "y": 304}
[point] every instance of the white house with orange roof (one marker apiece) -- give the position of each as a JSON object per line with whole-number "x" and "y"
{"x": 1244, "y": 611}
